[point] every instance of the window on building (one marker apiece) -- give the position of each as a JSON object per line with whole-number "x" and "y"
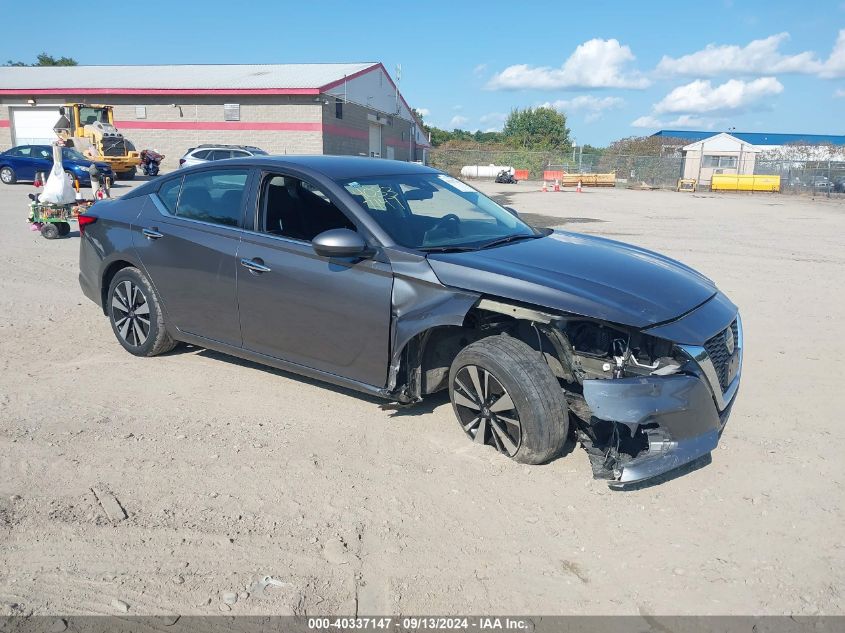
{"x": 338, "y": 109}
{"x": 140, "y": 112}
{"x": 213, "y": 196}
{"x": 231, "y": 111}
{"x": 720, "y": 162}
{"x": 296, "y": 209}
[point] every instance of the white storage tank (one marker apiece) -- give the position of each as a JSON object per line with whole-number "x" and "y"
{"x": 484, "y": 171}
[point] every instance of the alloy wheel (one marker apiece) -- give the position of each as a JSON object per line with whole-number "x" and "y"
{"x": 6, "y": 176}
{"x": 130, "y": 313}
{"x": 485, "y": 410}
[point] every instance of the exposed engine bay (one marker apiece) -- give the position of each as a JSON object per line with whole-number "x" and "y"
{"x": 632, "y": 397}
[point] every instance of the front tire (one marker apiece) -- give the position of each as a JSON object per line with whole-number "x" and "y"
{"x": 64, "y": 228}
{"x": 7, "y": 176}
{"x": 136, "y": 316}
{"x": 505, "y": 395}
{"x": 127, "y": 175}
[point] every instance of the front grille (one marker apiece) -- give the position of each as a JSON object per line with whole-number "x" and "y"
{"x": 113, "y": 147}
{"x": 719, "y": 355}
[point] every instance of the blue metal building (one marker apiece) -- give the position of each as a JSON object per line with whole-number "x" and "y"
{"x": 759, "y": 138}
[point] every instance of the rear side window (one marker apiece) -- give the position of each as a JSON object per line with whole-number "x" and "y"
{"x": 220, "y": 154}
{"x": 168, "y": 193}
{"x": 213, "y": 196}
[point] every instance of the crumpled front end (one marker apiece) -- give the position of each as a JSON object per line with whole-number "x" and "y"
{"x": 643, "y": 426}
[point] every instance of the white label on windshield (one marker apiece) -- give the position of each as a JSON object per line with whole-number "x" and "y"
{"x": 457, "y": 184}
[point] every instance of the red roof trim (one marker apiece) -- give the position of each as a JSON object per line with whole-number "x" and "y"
{"x": 339, "y": 82}
{"x": 160, "y": 91}
{"x": 219, "y": 125}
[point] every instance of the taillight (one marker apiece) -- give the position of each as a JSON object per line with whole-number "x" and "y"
{"x": 84, "y": 220}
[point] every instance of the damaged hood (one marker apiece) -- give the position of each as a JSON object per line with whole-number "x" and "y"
{"x": 580, "y": 274}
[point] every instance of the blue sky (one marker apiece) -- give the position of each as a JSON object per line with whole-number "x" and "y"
{"x": 615, "y": 68}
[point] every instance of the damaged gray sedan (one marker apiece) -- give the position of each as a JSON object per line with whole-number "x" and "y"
{"x": 400, "y": 281}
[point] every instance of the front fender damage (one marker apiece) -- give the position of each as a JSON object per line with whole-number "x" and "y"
{"x": 418, "y": 307}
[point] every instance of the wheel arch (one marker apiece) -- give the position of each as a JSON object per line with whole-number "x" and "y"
{"x": 422, "y": 364}
{"x": 109, "y": 272}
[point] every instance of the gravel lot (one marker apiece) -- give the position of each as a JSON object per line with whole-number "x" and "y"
{"x": 229, "y": 472}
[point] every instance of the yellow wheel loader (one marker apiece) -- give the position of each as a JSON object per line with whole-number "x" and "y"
{"x": 90, "y": 130}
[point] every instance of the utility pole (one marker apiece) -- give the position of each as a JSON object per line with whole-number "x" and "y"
{"x": 398, "y": 81}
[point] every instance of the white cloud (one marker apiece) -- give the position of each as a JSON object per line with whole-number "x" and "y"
{"x": 835, "y": 64}
{"x": 734, "y": 95}
{"x": 424, "y": 111}
{"x": 592, "y": 107}
{"x": 759, "y": 57}
{"x": 479, "y": 69}
{"x": 493, "y": 117}
{"x": 594, "y": 64}
{"x": 683, "y": 121}
{"x": 840, "y": 93}
{"x": 458, "y": 120}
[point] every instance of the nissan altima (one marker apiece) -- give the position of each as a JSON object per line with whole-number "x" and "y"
{"x": 398, "y": 280}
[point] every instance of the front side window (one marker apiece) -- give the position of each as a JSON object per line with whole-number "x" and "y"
{"x": 201, "y": 154}
{"x": 213, "y": 196}
{"x": 168, "y": 193}
{"x": 297, "y": 209}
{"x": 435, "y": 211}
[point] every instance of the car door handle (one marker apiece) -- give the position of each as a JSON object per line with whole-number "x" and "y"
{"x": 256, "y": 266}
{"x": 151, "y": 234}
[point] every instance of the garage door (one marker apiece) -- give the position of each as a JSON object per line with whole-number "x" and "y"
{"x": 34, "y": 126}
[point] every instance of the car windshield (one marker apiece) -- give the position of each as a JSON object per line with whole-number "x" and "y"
{"x": 72, "y": 154}
{"x": 435, "y": 212}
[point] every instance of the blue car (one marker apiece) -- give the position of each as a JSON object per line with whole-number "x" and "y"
{"x": 25, "y": 161}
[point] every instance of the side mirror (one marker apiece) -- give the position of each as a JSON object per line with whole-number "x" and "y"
{"x": 62, "y": 111}
{"x": 339, "y": 243}
{"x": 512, "y": 211}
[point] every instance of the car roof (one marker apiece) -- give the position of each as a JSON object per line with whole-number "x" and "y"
{"x": 250, "y": 148}
{"x": 342, "y": 167}
{"x": 333, "y": 167}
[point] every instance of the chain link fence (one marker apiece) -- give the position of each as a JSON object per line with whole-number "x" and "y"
{"x": 809, "y": 177}
{"x": 826, "y": 178}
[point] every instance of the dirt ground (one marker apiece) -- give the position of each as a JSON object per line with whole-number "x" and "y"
{"x": 299, "y": 497}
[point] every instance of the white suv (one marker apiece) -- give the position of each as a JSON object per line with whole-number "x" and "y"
{"x": 206, "y": 153}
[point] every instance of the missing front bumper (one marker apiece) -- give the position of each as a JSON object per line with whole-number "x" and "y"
{"x": 674, "y": 419}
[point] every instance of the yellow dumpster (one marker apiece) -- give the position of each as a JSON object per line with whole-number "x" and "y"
{"x": 735, "y": 182}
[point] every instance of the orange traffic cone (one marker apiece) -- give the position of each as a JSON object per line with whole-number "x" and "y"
{"x": 578, "y": 188}
{"x": 545, "y": 187}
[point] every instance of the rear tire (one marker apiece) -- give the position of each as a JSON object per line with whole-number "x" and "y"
{"x": 127, "y": 175}
{"x": 513, "y": 402}
{"x": 136, "y": 316}
{"x": 7, "y": 176}
{"x": 49, "y": 231}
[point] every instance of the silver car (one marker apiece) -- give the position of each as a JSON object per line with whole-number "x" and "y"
{"x": 207, "y": 153}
